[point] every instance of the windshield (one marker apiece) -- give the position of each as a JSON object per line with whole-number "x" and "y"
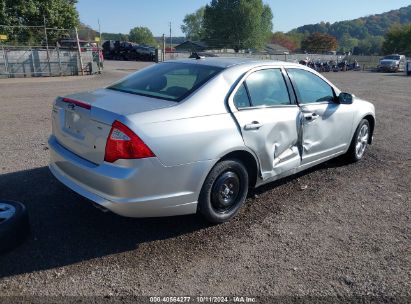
{"x": 392, "y": 57}
{"x": 171, "y": 81}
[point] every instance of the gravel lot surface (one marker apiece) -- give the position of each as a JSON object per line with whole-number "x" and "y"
{"x": 336, "y": 230}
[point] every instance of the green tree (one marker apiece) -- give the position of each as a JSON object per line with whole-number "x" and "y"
{"x": 319, "y": 43}
{"x": 237, "y": 24}
{"x": 57, "y": 14}
{"x": 193, "y": 25}
{"x": 371, "y": 45}
{"x": 114, "y": 36}
{"x": 141, "y": 35}
{"x": 347, "y": 43}
{"x": 398, "y": 40}
{"x": 85, "y": 32}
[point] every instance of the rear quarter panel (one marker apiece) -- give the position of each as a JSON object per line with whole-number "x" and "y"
{"x": 189, "y": 140}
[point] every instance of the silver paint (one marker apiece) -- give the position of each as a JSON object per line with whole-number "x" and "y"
{"x": 190, "y": 137}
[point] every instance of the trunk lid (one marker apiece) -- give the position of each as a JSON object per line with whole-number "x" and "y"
{"x": 82, "y": 122}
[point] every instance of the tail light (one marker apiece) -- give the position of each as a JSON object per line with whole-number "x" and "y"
{"x": 122, "y": 143}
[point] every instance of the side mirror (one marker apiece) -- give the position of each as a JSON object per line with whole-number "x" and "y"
{"x": 345, "y": 98}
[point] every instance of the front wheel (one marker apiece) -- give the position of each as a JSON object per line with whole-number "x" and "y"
{"x": 359, "y": 142}
{"x": 224, "y": 191}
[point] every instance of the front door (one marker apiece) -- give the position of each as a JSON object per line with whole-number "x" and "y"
{"x": 269, "y": 121}
{"x": 326, "y": 124}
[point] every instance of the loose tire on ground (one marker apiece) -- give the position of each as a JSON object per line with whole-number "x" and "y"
{"x": 224, "y": 191}
{"x": 14, "y": 224}
{"x": 359, "y": 142}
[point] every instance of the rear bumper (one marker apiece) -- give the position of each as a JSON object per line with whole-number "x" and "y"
{"x": 132, "y": 188}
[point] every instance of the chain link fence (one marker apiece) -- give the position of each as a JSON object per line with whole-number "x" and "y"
{"x": 35, "y": 51}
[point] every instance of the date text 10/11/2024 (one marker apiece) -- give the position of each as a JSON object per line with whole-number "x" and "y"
{"x": 203, "y": 299}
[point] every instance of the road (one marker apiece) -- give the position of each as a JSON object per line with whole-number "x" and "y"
{"x": 336, "y": 230}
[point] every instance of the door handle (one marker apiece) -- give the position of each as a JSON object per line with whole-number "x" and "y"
{"x": 311, "y": 116}
{"x": 255, "y": 125}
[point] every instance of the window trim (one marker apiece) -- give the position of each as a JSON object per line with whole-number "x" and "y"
{"x": 242, "y": 80}
{"x": 298, "y": 97}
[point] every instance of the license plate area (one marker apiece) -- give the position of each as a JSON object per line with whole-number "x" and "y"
{"x": 74, "y": 123}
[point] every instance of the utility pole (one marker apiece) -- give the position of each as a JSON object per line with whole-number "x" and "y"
{"x": 164, "y": 48}
{"x": 171, "y": 39}
{"x": 99, "y": 29}
{"x": 79, "y": 53}
{"x": 47, "y": 44}
{"x": 99, "y": 47}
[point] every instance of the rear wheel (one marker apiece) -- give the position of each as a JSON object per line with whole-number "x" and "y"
{"x": 224, "y": 191}
{"x": 359, "y": 142}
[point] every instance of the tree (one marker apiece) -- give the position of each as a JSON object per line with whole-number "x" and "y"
{"x": 398, "y": 40}
{"x": 85, "y": 32}
{"x": 284, "y": 40}
{"x": 114, "y": 36}
{"x": 318, "y": 43}
{"x": 347, "y": 43}
{"x": 193, "y": 25}
{"x": 371, "y": 45}
{"x": 141, "y": 35}
{"x": 60, "y": 14}
{"x": 237, "y": 24}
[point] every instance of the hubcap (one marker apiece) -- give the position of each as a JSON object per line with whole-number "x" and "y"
{"x": 6, "y": 212}
{"x": 225, "y": 192}
{"x": 362, "y": 141}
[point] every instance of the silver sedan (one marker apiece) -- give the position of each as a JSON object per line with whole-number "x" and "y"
{"x": 195, "y": 135}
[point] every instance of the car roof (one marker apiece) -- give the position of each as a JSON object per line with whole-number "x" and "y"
{"x": 226, "y": 62}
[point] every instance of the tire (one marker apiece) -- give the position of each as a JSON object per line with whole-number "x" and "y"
{"x": 14, "y": 224}
{"x": 359, "y": 141}
{"x": 224, "y": 191}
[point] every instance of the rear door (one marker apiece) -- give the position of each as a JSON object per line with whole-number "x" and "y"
{"x": 269, "y": 118}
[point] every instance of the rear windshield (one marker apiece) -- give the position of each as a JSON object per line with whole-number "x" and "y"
{"x": 170, "y": 81}
{"x": 392, "y": 57}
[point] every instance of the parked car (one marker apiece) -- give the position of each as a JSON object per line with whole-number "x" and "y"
{"x": 392, "y": 63}
{"x": 72, "y": 44}
{"x": 181, "y": 137}
{"x": 122, "y": 50}
{"x": 408, "y": 69}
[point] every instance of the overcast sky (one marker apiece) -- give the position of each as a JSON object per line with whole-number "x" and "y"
{"x": 122, "y": 15}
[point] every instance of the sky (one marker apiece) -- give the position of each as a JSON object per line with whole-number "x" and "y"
{"x": 121, "y": 15}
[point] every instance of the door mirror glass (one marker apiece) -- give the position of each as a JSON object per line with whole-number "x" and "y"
{"x": 345, "y": 98}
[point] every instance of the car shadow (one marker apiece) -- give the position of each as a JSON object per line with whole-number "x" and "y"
{"x": 398, "y": 74}
{"x": 67, "y": 229}
{"x": 337, "y": 162}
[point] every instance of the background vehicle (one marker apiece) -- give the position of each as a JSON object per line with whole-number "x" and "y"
{"x": 123, "y": 50}
{"x": 392, "y": 63}
{"x": 72, "y": 45}
{"x": 194, "y": 135}
{"x": 408, "y": 69}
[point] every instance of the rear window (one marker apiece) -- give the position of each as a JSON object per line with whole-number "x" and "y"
{"x": 170, "y": 81}
{"x": 392, "y": 57}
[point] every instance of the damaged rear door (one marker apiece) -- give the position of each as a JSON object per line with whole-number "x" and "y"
{"x": 269, "y": 120}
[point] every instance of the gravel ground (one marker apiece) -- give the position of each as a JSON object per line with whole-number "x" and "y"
{"x": 336, "y": 232}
